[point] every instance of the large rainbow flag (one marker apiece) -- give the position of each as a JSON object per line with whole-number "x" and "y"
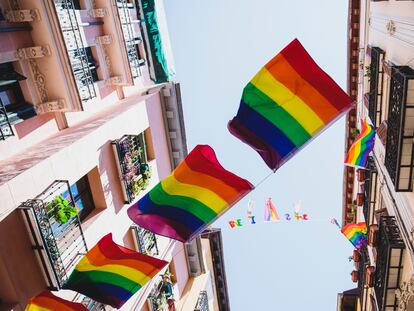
{"x": 356, "y": 234}
{"x": 286, "y": 104}
{"x": 362, "y": 146}
{"x": 111, "y": 274}
{"x": 186, "y": 202}
{"x": 270, "y": 211}
{"x": 46, "y": 301}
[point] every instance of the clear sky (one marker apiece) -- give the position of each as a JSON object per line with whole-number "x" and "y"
{"x": 218, "y": 45}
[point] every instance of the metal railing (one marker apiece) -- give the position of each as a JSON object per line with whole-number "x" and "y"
{"x": 92, "y": 305}
{"x": 370, "y": 191}
{"x": 67, "y": 16}
{"x": 399, "y": 155}
{"x": 146, "y": 241}
{"x": 6, "y": 129}
{"x": 390, "y": 248}
{"x": 376, "y": 77}
{"x": 131, "y": 38}
{"x": 202, "y": 302}
{"x": 59, "y": 245}
{"x": 131, "y": 155}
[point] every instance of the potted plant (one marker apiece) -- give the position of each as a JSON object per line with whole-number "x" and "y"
{"x": 61, "y": 210}
{"x": 354, "y": 275}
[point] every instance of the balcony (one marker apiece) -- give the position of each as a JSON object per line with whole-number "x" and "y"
{"x": 160, "y": 298}
{"x": 82, "y": 67}
{"x": 390, "y": 248}
{"x": 56, "y": 232}
{"x": 131, "y": 156}
{"x": 130, "y": 24}
{"x": 399, "y": 156}
{"x": 145, "y": 240}
{"x": 202, "y": 302}
{"x": 376, "y": 76}
{"x": 89, "y": 303}
{"x": 6, "y": 129}
{"x": 370, "y": 188}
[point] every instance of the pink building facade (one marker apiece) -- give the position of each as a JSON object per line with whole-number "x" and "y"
{"x": 90, "y": 116}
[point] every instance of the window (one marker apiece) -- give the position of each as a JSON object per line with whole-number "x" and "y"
{"x": 82, "y": 197}
{"x": 13, "y": 108}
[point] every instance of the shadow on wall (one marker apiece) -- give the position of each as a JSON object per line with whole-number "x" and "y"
{"x": 110, "y": 178}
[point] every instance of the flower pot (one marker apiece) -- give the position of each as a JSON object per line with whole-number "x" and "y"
{"x": 356, "y": 255}
{"x": 373, "y": 235}
{"x": 354, "y": 275}
{"x": 360, "y": 198}
{"x": 361, "y": 175}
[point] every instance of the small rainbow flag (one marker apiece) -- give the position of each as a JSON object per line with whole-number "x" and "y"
{"x": 270, "y": 211}
{"x": 362, "y": 146}
{"x": 286, "y": 104}
{"x": 111, "y": 274}
{"x": 46, "y": 301}
{"x": 183, "y": 204}
{"x": 356, "y": 234}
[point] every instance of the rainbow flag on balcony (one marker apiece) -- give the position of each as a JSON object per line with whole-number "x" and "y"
{"x": 111, "y": 274}
{"x": 46, "y": 301}
{"x": 186, "y": 202}
{"x": 287, "y": 104}
{"x": 356, "y": 234}
{"x": 362, "y": 146}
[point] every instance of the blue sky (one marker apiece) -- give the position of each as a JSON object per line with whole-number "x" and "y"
{"x": 218, "y": 45}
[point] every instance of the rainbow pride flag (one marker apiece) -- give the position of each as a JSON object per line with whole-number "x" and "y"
{"x": 362, "y": 146}
{"x": 186, "y": 202}
{"x": 270, "y": 211}
{"x": 46, "y": 301}
{"x": 356, "y": 234}
{"x": 111, "y": 274}
{"x": 286, "y": 104}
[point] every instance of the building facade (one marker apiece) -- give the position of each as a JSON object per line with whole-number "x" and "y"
{"x": 381, "y": 81}
{"x": 90, "y": 119}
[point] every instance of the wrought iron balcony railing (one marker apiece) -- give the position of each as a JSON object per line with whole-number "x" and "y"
{"x": 131, "y": 155}
{"x": 92, "y": 305}
{"x": 376, "y": 76}
{"x": 131, "y": 36}
{"x": 59, "y": 242}
{"x": 389, "y": 264}
{"x": 159, "y": 299}
{"x": 68, "y": 20}
{"x": 146, "y": 241}
{"x": 370, "y": 191}
{"x": 399, "y": 156}
{"x": 202, "y": 302}
{"x": 6, "y": 129}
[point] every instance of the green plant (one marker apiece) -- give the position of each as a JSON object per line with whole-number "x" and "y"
{"x": 354, "y": 133}
{"x": 61, "y": 210}
{"x": 368, "y": 71}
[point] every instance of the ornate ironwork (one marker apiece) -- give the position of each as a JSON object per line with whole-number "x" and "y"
{"x": 370, "y": 189}
{"x": 66, "y": 11}
{"x": 132, "y": 158}
{"x": 390, "y": 249}
{"x": 399, "y": 156}
{"x": 375, "y": 85}
{"x": 6, "y": 129}
{"x": 158, "y": 300}
{"x": 131, "y": 38}
{"x": 92, "y": 305}
{"x": 60, "y": 246}
{"x": 146, "y": 241}
{"x": 202, "y": 302}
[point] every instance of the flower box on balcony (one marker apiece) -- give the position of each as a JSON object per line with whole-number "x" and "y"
{"x": 360, "y": 199}
{"x": 369, "y": 276}
{"x": 355, "y": 256}
{"x": 372, "y": 235}
{"x": 361, "y": 175}
{"x": 354, "y": 275}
